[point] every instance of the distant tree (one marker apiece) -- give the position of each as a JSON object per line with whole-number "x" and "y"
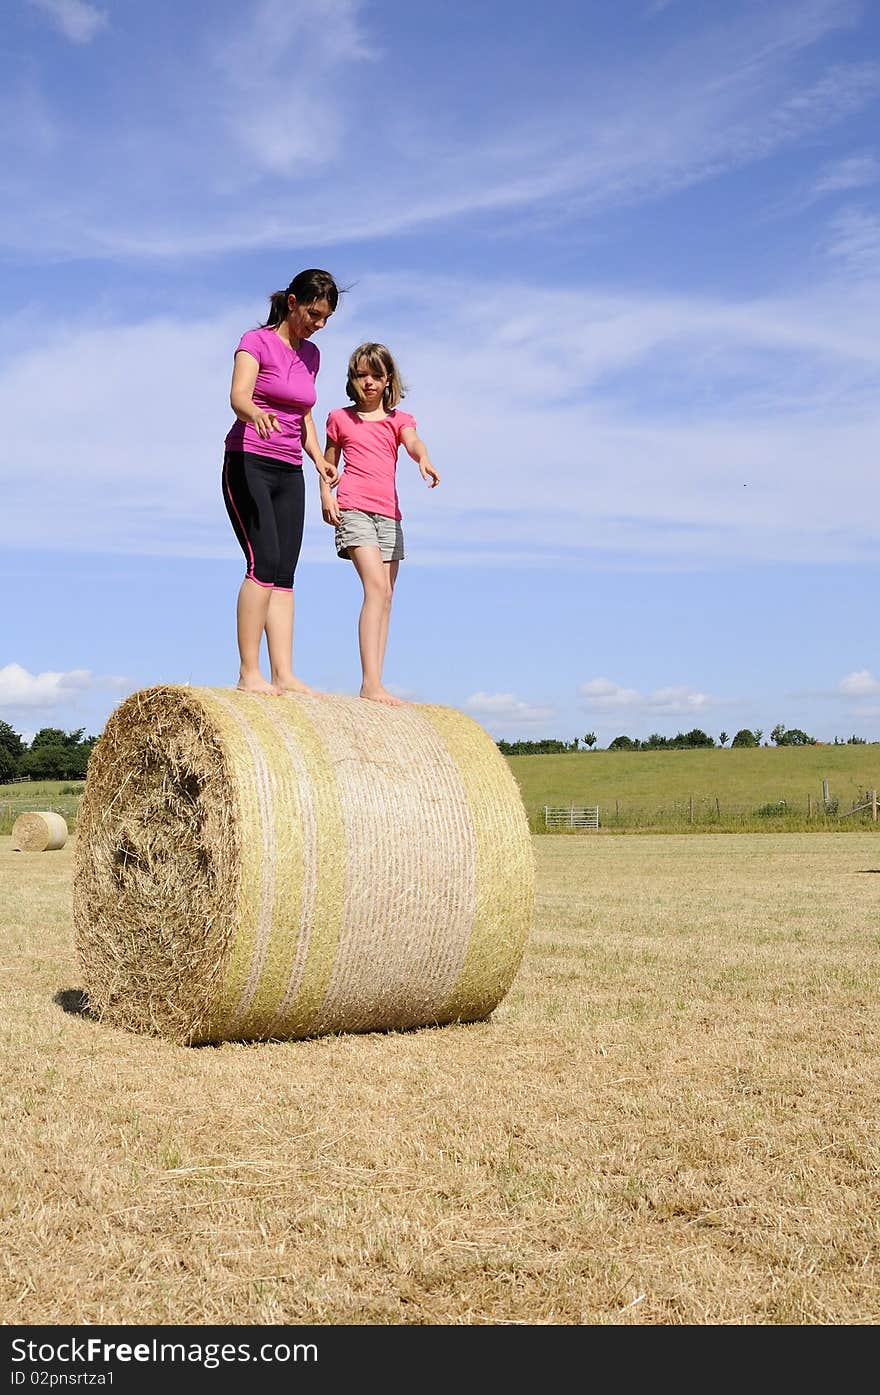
{"x": 49, "y": 736}
{"x": 624, "y": 743}
{"x": 697, "y": 738}
{"x": 45, "y": 762}
{"x": 856, "y": 741}
{"x": 57, "y": 755}
{"x": 590, "y": 740}
{"x": 745, "y": 738}
{"x": 8, "y": 767}
{"x": 723, "y": 738}
{"x": 11, "y": 743}
{"x": 795, "y": 737}
{"x": 575, "y": 745}
{"x": 758, "y": 734}
{"x": 777, "y": 734}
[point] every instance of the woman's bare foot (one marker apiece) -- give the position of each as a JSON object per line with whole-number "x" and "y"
{"x": 290, "y": 684}
{"x": 256, "y": 683}
{"x": 380, "y": 694}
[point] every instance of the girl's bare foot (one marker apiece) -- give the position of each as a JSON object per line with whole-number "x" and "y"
{"x": 380, "y": 694}
{"x": 289, "y": 684}
{"x": 256, "y": 683}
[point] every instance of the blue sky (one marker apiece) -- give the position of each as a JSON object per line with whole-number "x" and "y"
{"x": 628, "y": 258}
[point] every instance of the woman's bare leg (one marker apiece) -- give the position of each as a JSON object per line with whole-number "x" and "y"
{"x": 251, "y": 613}
{"x": 279, "y": 637}
{"x": 373, "y": 621}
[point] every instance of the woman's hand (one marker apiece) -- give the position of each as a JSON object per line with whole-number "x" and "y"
{"x": 328, "y": 472}
{"x": 427, "y": 472}
{"x": 264, "y": 423}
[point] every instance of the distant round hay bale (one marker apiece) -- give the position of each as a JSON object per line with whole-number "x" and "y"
{"x": 251, "y": 867}
{"x": 44, "y": 831}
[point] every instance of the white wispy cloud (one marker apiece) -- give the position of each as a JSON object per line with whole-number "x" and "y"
{"x": 77, "y": 19}
{"x": 20, "y": 689}
{"x": 612, "y": 138}
{"x": 855, "y": 242}
{"x": 853, "y": 172}
{"x": 860, "y": 684}
{"x": 507, "y": 707}
{"x": 681, "y": 432}
{"x": 288, "y": 49}
{"x": 604, "y": 695}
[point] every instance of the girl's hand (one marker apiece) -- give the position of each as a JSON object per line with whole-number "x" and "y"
{"x": 264, "y": 423}
{"x": 329, "y": 473}
{"x": 329, "y": 508}
{"x": 427, "y": 472}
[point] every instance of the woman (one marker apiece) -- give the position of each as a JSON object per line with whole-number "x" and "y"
{"x": 272, "y": 394}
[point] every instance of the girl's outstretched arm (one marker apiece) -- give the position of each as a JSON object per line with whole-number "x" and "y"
{"x": 415, "y": 446}
{"x": 329, "y": 507}
{"x": 325, "y": 468}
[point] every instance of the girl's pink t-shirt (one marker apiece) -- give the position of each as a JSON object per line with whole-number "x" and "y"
{"x": 286, "y": 386}
{"x": 369, "y": 458}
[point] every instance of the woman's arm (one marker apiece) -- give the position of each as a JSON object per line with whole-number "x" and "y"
{"x": 415, "y": 446}
{"x": 241, "y": 396}
{"x": 325, "y": 468}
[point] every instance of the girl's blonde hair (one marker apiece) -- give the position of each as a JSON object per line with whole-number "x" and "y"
{"x": 378, "y": 359}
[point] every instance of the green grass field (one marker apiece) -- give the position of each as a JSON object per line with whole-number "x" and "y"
{"x": 653, "y": 789}
{"x": 61, "y": 795}
{"x": 642, "y": 790}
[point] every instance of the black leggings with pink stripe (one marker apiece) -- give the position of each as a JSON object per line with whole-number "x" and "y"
{"x": 265, "y": 500}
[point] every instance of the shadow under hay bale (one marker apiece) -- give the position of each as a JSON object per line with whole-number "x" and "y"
{"x": 250, "y": 867}
{"x": 44, "y": 831}
{"x": 75, "y": 1002}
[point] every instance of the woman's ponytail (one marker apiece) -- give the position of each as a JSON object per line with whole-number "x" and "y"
{"x": 277, "y": 310}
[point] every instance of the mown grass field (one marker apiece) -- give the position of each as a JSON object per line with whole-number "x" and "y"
{"x": 671, "y": 1118}
{"x": 644, "y": 789}
{"x": 61, "y": 795}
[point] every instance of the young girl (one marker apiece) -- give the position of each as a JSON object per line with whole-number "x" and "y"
{"x": 365, "y": 512}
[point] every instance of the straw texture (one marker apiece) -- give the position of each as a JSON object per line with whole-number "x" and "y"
{"x": 45, "y": 831}
{"x": 251, "y": 867}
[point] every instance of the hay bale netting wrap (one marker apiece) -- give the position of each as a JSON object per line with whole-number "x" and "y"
{"x": 251, "y": 867}
{"x": 43, "y": 831}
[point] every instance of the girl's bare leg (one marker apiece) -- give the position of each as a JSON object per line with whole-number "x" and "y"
{"x": 251, "y": 613}
{"x": 373, "y": 621}
{"x": 391, "y": 568}
{"x": 279, "y": 636}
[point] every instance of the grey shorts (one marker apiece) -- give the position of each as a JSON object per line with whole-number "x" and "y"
{"x": 370, "y": 530}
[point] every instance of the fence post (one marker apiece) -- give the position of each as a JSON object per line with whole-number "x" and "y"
{"x": 718, "y": 807}
{"x": 809, "y": 806}
{"x": 826, "y": 794}
{"x": 874, "y": 804}
{"x": 690, "y": 808}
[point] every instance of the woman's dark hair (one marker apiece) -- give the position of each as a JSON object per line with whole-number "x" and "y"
{"x": 308, "y": 287}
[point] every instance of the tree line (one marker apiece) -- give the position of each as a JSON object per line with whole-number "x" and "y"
{"x": 52, "y": 754}
{"x": 683, "y": 741}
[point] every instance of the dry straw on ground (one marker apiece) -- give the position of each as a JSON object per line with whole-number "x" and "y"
{"x": 45, "y": 831}
{"x": 671, "y": 1118}
{"x": 251, "y": 868}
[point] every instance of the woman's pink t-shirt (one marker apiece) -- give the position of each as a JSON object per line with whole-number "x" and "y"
{"x": 286, "y": 386}
{"x": 369, "y": 458}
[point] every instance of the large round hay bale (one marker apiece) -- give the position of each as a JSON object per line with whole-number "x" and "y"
{"x": 42, "y": 831}
{"x": 251, "y": 867}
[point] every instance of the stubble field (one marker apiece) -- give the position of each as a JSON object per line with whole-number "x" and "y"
{"x": 672, "y": 1118}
